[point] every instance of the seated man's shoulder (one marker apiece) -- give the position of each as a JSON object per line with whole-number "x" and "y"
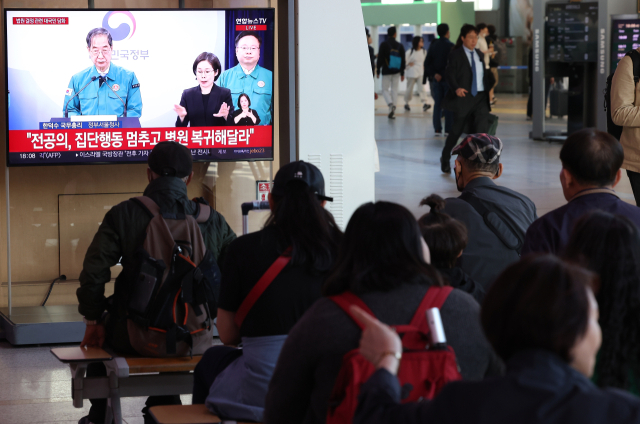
{"x": 630, "y": 211}
{"x": 460, "y": 209}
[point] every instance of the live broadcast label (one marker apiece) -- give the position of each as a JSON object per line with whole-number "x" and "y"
{"x": 251, "y": 27}
{"x": 41, "y": 21}
{"x": 86, "y": 140}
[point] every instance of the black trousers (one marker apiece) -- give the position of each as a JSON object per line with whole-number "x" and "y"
{"x": 475, "y": 115}
{"x": 634, "y": 178}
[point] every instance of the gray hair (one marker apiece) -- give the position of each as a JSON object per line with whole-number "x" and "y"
{"x": 99, "y": 31}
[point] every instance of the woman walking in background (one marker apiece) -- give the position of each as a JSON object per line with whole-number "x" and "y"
{"x": 414, "y": 72}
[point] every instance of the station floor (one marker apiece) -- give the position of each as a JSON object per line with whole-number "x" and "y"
{"x": 409, "y": 156}
{"x": 35, "y": 387}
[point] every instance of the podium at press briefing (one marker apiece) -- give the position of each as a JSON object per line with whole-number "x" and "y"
{"x": 95, "y": 121}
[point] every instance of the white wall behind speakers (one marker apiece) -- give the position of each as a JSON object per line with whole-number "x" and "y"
{"x": 335, "y": 101}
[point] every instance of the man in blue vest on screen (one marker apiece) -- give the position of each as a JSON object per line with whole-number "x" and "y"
{"x": 104, "y": 88}
{"x": 250, "y": 78}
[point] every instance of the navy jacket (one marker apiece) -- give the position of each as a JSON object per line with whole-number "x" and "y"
{"x": 550, "y": 233}
{"x": 437, "y": 57}
{"x": 539, "y": 387}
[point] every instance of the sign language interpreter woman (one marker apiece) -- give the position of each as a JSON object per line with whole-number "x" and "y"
{"x": 244, "y": 115}
{"x": 207, "y": 104}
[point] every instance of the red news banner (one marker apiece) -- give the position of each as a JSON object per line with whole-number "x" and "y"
{"x": 27, "y": 141}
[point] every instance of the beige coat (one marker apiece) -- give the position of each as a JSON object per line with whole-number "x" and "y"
{"x": 625, "y": 111}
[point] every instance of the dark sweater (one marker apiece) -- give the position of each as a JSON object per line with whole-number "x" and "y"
{"x": 539, "y": 388}
{"x": 437, "y": 57}
{"x": 312, "y": 355}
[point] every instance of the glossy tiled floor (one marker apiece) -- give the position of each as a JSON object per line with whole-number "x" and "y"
{"x": 35, "y": 387}
{"x": 410, "y": 157}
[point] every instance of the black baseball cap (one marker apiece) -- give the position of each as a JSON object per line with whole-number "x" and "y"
{"x": 300, "y": 171}
{"x": 169, "y": 158}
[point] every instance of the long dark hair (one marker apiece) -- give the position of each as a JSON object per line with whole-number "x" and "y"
{"x": 609, "y": 245}
{"x": 381, "y": 250}
{"x": 305, "y": 225}
{"x": 415, "y": 42}
{"x": 446, "y": 237}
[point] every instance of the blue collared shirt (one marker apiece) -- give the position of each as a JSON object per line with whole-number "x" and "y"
{"x": 100, "y": 100}
{"x": 479, "y": 67}
{"x": 258, "y": 85}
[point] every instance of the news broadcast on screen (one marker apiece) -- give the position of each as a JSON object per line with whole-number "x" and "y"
{"x": 105, "y": 86}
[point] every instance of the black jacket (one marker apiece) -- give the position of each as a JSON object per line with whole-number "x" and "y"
{"x": 539, "y": 387}
{"x": 460, "y": 280}
{"x": 121, "y": 233}
{"x": 372, "y": 58}
{"x": 384, "y": 54}
{"x": 192, "y": 101}
{"x": 437, "y": 57}
{"x": 459, "y": 75}
{"x": 486, "y": 256}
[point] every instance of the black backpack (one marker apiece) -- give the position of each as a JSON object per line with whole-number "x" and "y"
{"x": 612, "y": 128}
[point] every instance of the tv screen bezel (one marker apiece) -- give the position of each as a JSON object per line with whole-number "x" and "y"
{"x": 118, "y": 162}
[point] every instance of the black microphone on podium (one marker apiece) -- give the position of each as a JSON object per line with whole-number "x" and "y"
{"x": 124, "y": 106}
{"x": 66, "y": 112}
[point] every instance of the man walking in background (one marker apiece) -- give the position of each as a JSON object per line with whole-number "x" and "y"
{"x": 434, "y": 67}
{"x": 468, "y": 97}
{"x": 392, "y": 62}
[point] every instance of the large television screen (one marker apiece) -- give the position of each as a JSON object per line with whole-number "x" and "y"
{"x": 625, "y": 36}
{"x": 104, "y": 86}
{"x": 571, "y": 32}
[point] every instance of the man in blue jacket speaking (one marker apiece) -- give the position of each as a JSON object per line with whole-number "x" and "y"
{"x": 104, "y": 88}
{"x": 250, "y": 78}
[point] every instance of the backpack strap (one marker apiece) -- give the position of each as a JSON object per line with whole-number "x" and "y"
{"x": 262, "y": 284}
{"x": 495, "y": 223}
{"x": 345, "y": 300}
{"x": 148, "y": 205}
{"x": 434, "y": 298}
{"x": 635, "y": 58}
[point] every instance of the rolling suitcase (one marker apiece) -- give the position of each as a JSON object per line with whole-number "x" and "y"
{"x": 559, "y": 102}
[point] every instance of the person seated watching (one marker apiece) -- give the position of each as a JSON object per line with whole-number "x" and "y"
{"x": 609, "y": 245}
{"x": 542, "y": 318}
{"x": 491, "y": 248}
{"x": 384, "y": 261}
{"x": 447, "y": 238}
{"x": 234, "y": 381}
{"x": 591, "y": 162}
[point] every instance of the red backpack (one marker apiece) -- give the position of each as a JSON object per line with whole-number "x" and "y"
{"x": 422, "y": 373}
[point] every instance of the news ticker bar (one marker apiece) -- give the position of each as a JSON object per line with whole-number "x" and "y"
{"x": 86, "y": 140}
{"x": 135, "y": 156}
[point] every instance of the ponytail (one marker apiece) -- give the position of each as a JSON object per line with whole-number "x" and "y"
{"x": 446, "y": 237}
